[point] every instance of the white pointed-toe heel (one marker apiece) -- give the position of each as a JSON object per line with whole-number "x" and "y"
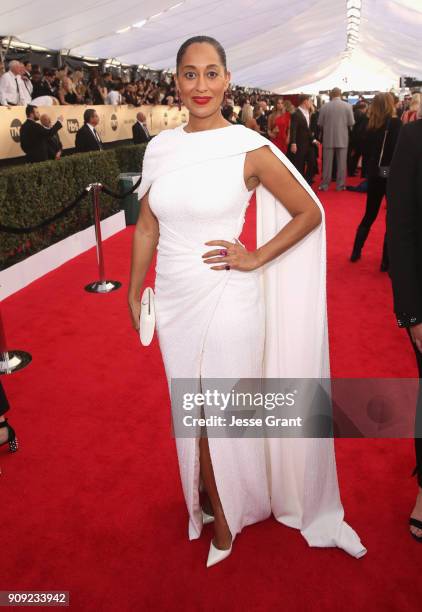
{"x": 216, "y": 555}
{"x": 207, "y": 518}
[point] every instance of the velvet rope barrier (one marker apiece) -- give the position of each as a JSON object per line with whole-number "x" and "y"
{"x": 32, "y": 228}
{"x": 121, "y": 196}
{"x": 102, "y": 285}
{"x": 7, "y": 229}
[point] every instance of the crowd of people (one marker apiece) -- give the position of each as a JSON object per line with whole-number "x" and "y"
{"x": 341, "y": 128}
{"x": 351, "y": 138}
{"x": 345, "y": 132}
{"x": 360, "y": 138}
{"x": 24, "y": 83}
{"x": 299, "y": 131}
{"x": 40, "y": 140}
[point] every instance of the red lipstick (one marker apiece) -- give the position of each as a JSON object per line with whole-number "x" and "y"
{"x": 201, "y": 99}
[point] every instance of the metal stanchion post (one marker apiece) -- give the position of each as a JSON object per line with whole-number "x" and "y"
{"x": 11, "y": 361}
{"x": 102, "y": 285}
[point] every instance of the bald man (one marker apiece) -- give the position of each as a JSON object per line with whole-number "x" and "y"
{"x": 54, "y": 145}
{"x": 335, "y": 119}
{"x": 140, "y": 130}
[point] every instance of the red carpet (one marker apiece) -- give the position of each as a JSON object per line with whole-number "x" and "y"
{"x": 92, "y": 503}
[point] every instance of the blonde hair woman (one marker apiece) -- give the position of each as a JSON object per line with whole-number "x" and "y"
{"x": 246, "y": 113}
{"x": 79, "y": 86}
{"x": 67, "y": 93}
{"x": 251, "y": 115}
{"x": 413, "y": 112}
{"x": 289, "y": 106}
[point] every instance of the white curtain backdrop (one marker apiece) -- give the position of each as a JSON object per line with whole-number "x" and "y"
{"x": 392, "y": 32}
{"x": 273, "y": 44}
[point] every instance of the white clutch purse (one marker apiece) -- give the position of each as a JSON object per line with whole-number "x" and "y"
{"x": 147, "y": 318}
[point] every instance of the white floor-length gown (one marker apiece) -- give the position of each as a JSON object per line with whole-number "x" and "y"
{"x": 267, "y": 323}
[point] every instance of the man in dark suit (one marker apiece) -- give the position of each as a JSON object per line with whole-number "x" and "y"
{"x": 34, "y": 137}
{"x": 87, "y": 137}
{"x": 45, "y": 86}
{"x": 262, "y": 120}
{"x": 54, "y": 145}
{"x": 357, "y": 138}
{"x": 404, "y": 241}
{"x": 140, "y": 130}
{"x": 301, "y": 135}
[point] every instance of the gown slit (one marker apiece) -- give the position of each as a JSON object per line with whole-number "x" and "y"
{"x": 203, "y": 350}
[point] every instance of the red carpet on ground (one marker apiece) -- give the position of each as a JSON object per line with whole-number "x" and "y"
{"x": 92, "y": 502}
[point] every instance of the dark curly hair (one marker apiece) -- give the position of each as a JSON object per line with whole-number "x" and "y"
{"x": 201, "y": 39}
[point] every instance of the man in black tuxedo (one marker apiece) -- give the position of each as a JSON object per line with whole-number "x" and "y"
{"x": 262, "y": 120}
{"x": 54, "y": 145}
{"x": 357, "y": 138}
{"x": 87, "y": 137}
{"x": 404, "y": 242}
{"x": 301, "y": 135}
{"x": 140, "y": 130}
{"x": 45, "y": 87}
{"x": 34, "y": 137}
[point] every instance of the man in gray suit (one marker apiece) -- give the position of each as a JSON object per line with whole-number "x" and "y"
{"x": 335, "y": 119}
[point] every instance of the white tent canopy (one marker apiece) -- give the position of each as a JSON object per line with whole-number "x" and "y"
{"x": 272, "y": 44}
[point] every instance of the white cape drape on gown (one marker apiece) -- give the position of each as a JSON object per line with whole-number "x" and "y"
{"x": 302, "y": 473}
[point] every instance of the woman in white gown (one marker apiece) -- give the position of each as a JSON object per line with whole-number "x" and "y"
{"x": 225, "y": 312}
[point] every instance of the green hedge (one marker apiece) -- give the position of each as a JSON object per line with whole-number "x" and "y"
{"x": 32, "y": 193}
{"x": 130, "y": 157}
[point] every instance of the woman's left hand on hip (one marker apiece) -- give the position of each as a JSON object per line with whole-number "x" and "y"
{"x": 230, "y": 254}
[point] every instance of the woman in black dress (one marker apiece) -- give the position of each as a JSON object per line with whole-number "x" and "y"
{"x": 379, "y": 143}
{"x": 404, "y": 239}
{"x": 95, "y": 93}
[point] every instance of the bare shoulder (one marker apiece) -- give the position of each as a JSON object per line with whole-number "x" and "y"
{"x": 262, "y": 162}
{"x": 260, "y": 156}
